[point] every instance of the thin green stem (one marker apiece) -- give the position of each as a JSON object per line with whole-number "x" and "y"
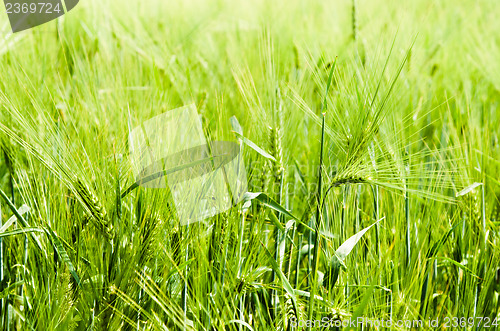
{"x": 318, "y": 222}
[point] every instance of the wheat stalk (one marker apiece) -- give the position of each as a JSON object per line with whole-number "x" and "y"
{"x": 94, "y": 208}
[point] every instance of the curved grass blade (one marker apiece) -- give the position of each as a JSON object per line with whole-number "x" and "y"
{"x": 468, "y": 189}
{"x": 348, "y": 245}
{"x": 286, "y": 284}
{"x": 63, "y": 255}
{"x": 268, "y": 202}
{"x": 19, "y": 231}
{"x": 22, "y": 210}
{"x": 236, "y": 125}
{"x": 253, "y": 146}
{"x": 6, "y": 291}
{"x": 337, "y": 261}
{"x": 459, "y": 265}
{"x": 438, "y": 244}
{"x": 21, "y": 219}
{"x": 164, "y": 173}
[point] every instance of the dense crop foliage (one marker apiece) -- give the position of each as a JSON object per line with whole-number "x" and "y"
{"x": 350, "y": 115}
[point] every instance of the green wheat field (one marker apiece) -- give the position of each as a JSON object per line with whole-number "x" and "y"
{"x": 376, "y": 118}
